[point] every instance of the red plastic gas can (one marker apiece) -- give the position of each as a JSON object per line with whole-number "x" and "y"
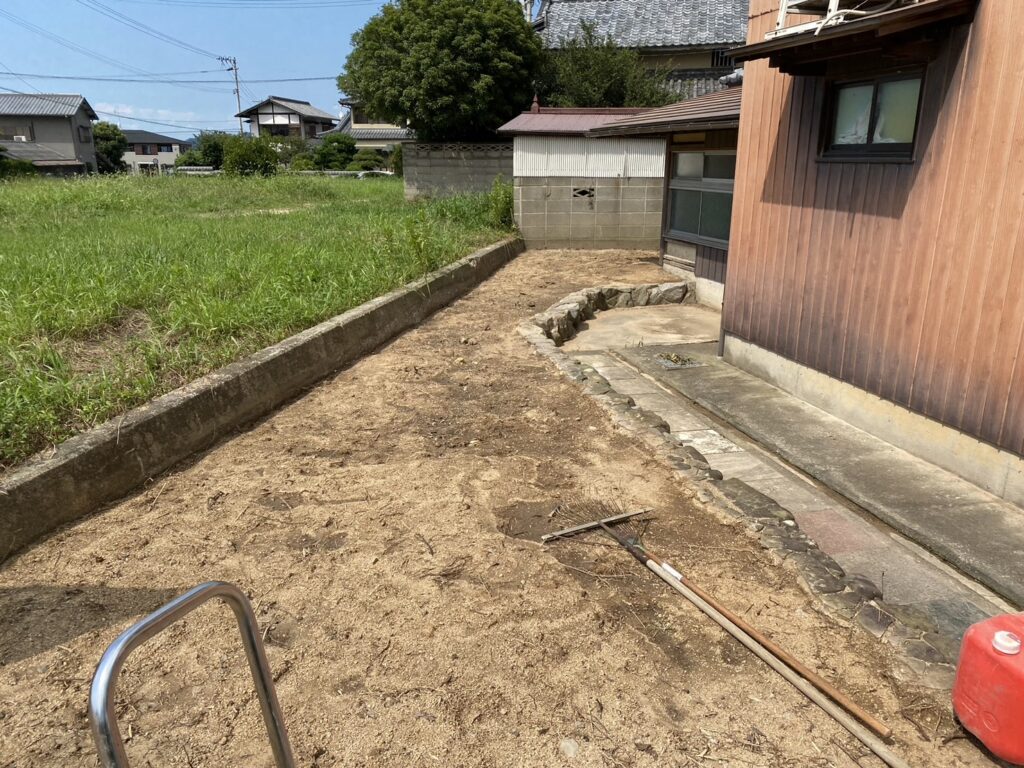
{"x": 988, "y": 695}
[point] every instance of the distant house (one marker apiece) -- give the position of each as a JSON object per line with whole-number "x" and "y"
{"x": 278, "y": 116}
{"x": 368, "y": 132}
{"x": 150, "y": 152}
{"x": 53, "y": 131}
{"x": 690, "y": 39}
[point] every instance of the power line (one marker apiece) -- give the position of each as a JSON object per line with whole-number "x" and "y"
{"x": 263, "y": 4}
{"x": 112, "y": 79}
{"x": 63, "y": 41}
{"x": 145, "y": 29}
{"x": 174, "y": 124}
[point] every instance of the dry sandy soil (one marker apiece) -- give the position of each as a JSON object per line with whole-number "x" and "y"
{"x": 382, "y": 525}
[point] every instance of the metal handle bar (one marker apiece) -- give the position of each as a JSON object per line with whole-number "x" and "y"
{"x": 101, "y": 697}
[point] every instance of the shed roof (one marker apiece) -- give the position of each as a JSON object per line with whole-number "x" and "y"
{"x": 647, "y": 23}
{"x": 573, "y": 122}
{"x": 44, "y": 105}
{"x": 38, "y": 153}
{"x": 303, "y": 108}
{"x": 713, "y": 110}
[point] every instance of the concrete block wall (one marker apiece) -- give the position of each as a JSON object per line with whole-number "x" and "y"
{"x": 589, "y": 213}
{"x": 434, "y": 170}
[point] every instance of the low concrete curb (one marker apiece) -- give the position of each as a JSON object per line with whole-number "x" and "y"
{"x": 847, "y": 598}
{"x": 107, "y": 462}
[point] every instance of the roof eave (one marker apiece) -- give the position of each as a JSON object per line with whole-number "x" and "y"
{"x": 881, "y": 24}
{"x": 679, "y": 126}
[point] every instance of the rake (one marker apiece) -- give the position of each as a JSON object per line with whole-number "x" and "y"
{"x": 597, "y": 515}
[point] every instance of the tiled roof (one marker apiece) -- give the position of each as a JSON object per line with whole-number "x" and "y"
{"x": 303, "y": 108}
{"x": 720, "y": 109}
{"x": 148, "y": 137}
{"x": 648, "y": 23}
{"x": 43, "y": 104}
{"x": 571, "y": 122}
{"x": 393, "y": 133}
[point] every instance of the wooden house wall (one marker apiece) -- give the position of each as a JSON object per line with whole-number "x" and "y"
{"x": 906, "y": 280}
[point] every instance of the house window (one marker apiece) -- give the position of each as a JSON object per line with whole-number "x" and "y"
{"x": 873, "y": 119}
{"x": 700, "y": 197}
{"x": 16, "y": 132}
{"x": 85, "y": 134}
{"x": 166, "y": 148}
{"x": 145, "y": 149}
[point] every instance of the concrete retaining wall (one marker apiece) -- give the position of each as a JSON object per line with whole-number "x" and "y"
{"x": 588, "y": 213}
{"x": 107, "y": 462}
{"x": 433, "y": 170}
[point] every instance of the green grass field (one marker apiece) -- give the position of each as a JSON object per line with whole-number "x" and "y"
{"x": 114, "y": 290}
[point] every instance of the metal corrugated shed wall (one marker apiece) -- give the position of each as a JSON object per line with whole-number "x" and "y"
{"x": 592, "y": 158}
{"x": 906, "y": 280}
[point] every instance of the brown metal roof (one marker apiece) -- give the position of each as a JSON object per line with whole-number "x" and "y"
{"x": 900, "y": 19}
{"x": 573, "y": 122}
{"x": 713, "y": 110}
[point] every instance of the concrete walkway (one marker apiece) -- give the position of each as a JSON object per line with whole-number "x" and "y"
{"x": 913, "y": 490}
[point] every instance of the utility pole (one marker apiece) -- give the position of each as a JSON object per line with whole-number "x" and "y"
{"x": 238, "y": 93}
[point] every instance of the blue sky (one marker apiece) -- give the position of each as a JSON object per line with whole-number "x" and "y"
{"x": 269, "y": 42}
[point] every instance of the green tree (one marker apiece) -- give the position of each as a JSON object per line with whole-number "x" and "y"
{"x": 111, "y": 145}
{"x": 289, "y": 148}
{"x": 396, "y": 162}
{"x": 189, "y": 157}
{"x": 590, "y": 71}
{"x": 244, "y": 156}
{"x": 334, "y": 152}
{"x": 455, "y": 69}
{"x": 208, "y": 148}
{"x": 366, "y": 160}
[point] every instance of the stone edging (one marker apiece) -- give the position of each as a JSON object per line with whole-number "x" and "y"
{"x": 849, "y": 598}
{"x": 109, "y": 461}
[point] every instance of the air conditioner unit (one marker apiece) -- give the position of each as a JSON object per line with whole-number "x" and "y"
{"x": 21, "y": 138}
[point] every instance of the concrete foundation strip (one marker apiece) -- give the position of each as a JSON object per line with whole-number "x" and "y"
{"x": 113, "y": 459}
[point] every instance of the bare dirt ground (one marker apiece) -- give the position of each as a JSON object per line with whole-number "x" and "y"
{"x": 381, "y": 525}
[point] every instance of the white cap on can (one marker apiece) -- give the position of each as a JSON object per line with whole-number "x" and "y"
{"x": 1006, "y": 642}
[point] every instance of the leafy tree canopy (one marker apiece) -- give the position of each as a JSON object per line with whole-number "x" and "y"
{"x": 366, "y": 160}
{"x": 455, "y": 69}
{"x": 334, "y": 152}
{"x": 111, "y": 145}
{"x": 590, "y": 71}
{"x": 208, "y": 149}
{"x": 245, "y": 156}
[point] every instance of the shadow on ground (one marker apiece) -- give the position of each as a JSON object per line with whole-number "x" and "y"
{"x": 40, "y": 617}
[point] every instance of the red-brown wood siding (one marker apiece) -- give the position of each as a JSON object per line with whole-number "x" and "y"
{"x": 906, "y": 280}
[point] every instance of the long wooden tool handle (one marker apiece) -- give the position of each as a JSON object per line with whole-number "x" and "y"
{"x": 784, "y": 656}
{"x": 840, "y": 710}
{"x": 838, "y": 714}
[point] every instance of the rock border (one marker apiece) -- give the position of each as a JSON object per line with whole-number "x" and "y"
{"x": 850, "y": 599}
{"x": 113, "y": 459}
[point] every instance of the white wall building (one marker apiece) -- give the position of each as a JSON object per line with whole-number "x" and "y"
{"x": 150, "y": 152}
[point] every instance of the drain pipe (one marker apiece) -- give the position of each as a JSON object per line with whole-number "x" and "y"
{"x": 721, "y": 332}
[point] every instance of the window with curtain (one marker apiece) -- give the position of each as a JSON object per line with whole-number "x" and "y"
{"x": 700, "y": 196}
{"x": 874, "y": 119}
